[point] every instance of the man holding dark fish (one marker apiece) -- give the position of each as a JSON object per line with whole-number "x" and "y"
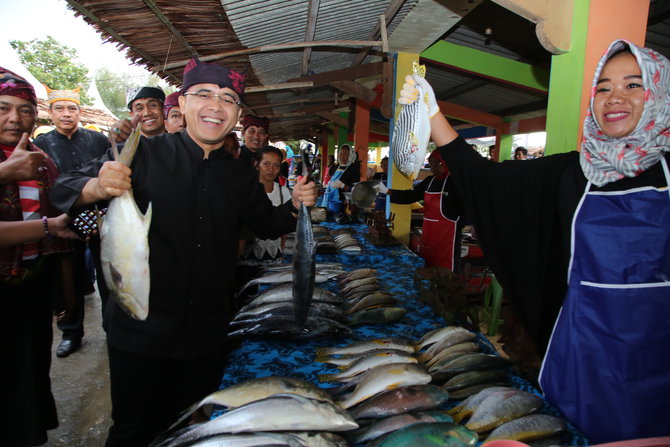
{"x": 199, "y": 196}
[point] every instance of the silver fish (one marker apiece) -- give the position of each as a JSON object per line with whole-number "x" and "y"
{"x": 281, "y": 277}
{"x": 280, "y": 412}
{"x": 124, "y": 246}
{"x": 255, "y": 389}
{"x": 468, "y": 406}
{"x": 411, "y": 133}
{"x": 385, "y": 377}
{"x": 437, "y": 335}
{"x": 366, "y": 363}
{"x": 250, "y": 440}
{"x": 358, "y": 347}
{"x": 393, "y": 423}
{"x": 304, "y": 264}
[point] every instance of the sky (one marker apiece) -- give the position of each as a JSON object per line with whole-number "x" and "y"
{"x": 36, "y": 19}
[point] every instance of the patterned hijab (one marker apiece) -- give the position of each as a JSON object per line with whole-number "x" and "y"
{"x": 607, "y": 159}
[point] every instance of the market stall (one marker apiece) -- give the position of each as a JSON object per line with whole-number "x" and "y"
{"x": 396, "y": 266}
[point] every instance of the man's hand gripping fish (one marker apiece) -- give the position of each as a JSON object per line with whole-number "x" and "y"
{"x": 125, "y": 245}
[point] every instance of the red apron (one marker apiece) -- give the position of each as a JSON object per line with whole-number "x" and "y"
{"x": 439, "y": 232}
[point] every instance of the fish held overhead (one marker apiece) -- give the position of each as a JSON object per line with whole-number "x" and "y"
{"x": 411, "y": 133}
{"x": 124, "y": 246}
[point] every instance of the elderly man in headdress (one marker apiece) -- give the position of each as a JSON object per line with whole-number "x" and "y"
{"x": 255, "y": 132}
{"x": 71, "y": 147}
{"x": 200, "y": 196}
{"x": 30, "y": 267}
{"x": 174, "y": 119}
{"x": 145, "y": 103}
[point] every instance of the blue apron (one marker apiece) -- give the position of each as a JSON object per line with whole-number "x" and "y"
{"x": 332, "y": 194}
{"x": 607, "y": 366}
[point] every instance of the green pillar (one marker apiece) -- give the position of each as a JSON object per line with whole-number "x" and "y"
{"x": 565, "y": 87}
{"x": 506, "y": 141}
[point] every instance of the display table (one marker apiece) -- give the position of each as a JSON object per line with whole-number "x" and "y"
{"x": 395, "y": 268}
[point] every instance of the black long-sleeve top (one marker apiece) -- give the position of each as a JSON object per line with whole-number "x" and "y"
{"x": 72, "y": 153}
{"x": 523, "y": 214}
{"x": 198, "y": 207}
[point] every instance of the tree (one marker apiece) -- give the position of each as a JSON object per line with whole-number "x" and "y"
{"x": 52, "y": 63}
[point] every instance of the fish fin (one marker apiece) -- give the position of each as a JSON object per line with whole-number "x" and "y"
{"x": 130, "y": 147}
{"x": 458, "y": 417}
{"x": 423, "y": 357}
{"x": 327, "y": 377}
{"x": 321, "y": 358}
{"x": 146, "y": 219}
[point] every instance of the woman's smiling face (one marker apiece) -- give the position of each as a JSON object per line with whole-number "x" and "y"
{"x": 619, "y": 99}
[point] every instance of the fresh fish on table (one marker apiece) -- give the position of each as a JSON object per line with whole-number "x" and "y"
{"x": 439, "y": 334}
{"x": 286, "y": 327}
{"x": 304, "y": 263}
{"x": 366, "y": 363}
{"x": 502, "y": 407}
{"x": 411, "y": 133}
{"x": 281, "y": 277}
{"x": 468, "y": 406}
{"x": 529, "y": 428}
{"x": 124, "y": 245}
{"x": 358, "y": 347}
{"x": 256, "y": 389}
{"x": 458, "y": 348}
{"x": 469, "y": 362}
{"x": 356, "y": 274}
{"x": 285, "y": 308}
{"x": 393, "y": 423}
{"x": 359, "y": 282}
{"x": 464, "y": 393}
{"x": 448, "y": 341}
{"x": 347, "y": 359}
{"x": 470, "y": 378}
{"x": 280, "y": 412}
{"x": 428, "y": 434}
{"x": 401, "y": 400}
{"x": 374, "y": 299}
{"x": 284, "y": 292}
{"x": 377, "y": 316}
{"x": 249, "y": 440}
{"x": 385, "y": 377}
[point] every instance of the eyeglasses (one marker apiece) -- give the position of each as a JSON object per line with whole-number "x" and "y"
{"x": 208, "y": 96}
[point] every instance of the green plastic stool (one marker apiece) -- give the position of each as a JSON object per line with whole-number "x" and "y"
{"x": 492, "y": 304}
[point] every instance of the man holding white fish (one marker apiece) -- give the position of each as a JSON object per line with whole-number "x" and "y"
{"x": 199, "y": 196}
{"x": 594, "y": 261}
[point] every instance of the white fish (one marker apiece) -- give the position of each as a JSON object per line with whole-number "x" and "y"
{"x": 386, "y": 377}
{"x": 411, "y": 133}
{"x": 124, "y": 246}
{"x": 280, "y": 412}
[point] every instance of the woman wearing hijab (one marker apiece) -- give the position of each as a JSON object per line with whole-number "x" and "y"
{"x": 442, "y": 210}
{"x": 342, "y": 180}
{"x": 594, "y": 259}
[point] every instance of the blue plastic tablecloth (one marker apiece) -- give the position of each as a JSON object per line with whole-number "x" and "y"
{"x": 395, "y": 268}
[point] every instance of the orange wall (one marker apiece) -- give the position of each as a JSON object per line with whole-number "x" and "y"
{"x": 610, "y": 20}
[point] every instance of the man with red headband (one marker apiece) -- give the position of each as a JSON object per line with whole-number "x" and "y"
{"x": 174, "y": 120}
{"x": 442, "y": 214}
{"x": 30, "y": 268}
{"x": 256, "y": 133}
{"x": 200, "y": 196}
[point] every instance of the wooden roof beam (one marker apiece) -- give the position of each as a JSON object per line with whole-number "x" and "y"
{"x": 164, "y": 20}
{"x": 470, "y": 115}
{"x": 355, "y": 90}
{"x": 345, "y": 74}
{"x": 389, "y": 14}
{"x": 312, "y": 12}
{"x": 553, "y": 19}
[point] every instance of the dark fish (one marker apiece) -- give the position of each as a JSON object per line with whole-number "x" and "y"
{"x": 304, "y": 264}
{"x": 400, "y": 400}
{"x": 374, "y": 316}
{"x": 529, "y": 428}
{"x": 393, "y": 423}
{"x": 285, "y": 309}
{"x": 375, "y": 299}
{"x": 428, "y": 434}
{"x": 469, "y": 362}
{"x": 470, "y": 378}
{"x": 469, "y": 405}
{"x": 287, "y": 327}
{"x": 464, "y": 393}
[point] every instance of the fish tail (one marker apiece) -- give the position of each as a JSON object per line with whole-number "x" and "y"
{"x": 321, "y": 352}
{"x": 322, "y": 358}
{"x": 458, "y": 417}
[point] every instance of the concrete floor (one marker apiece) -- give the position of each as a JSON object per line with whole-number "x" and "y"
{"x": 80, "y": 384}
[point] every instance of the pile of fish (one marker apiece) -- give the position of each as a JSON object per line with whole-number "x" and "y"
{"x": 273, "y": 312}
{"x": 344, "y": 239}
{"x": 327, "y": 241}
{"x": 394, "y": 389}
{"x": 277, "y": 411}
{"x": 364, "y": 300}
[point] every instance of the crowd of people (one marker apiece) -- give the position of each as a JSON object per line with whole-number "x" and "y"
{"x": 588, "y": 275}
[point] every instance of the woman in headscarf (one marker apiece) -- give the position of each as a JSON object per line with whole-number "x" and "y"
{"x": 442, "y": 210}
{"x": 593, "y": 261}
{"x": 342, "y": 180}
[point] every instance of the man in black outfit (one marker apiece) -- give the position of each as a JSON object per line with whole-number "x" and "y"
{"x": 71, "y": 147}
{"x": 200, "y": 196}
